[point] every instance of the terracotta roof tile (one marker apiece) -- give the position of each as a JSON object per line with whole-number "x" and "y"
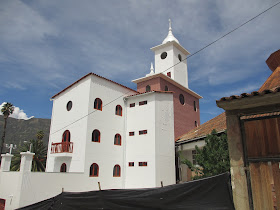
{"x": 254, "y": 93}
{"x": 218, "y": 123}
{"x": 87, "y": 76}
{"x": 272, "y": 81}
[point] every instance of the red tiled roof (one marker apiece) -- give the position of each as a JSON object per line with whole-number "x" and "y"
{"x": 272, "y": 81}
{"x": 253, "y": 94}
{"x": 87, "y": 76}
{"x": 218, "y": 123}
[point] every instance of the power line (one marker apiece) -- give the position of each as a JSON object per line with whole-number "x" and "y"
{"x": 179, "y": 62}
{"x": 225, "y": 35}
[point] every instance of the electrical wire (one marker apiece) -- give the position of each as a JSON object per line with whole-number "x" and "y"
{"x": 178, "y": 62}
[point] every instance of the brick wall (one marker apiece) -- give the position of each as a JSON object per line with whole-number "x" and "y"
{"x": 184, "y": 115}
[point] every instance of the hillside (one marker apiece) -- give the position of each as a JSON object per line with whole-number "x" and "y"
{"x": 19, "y": 131}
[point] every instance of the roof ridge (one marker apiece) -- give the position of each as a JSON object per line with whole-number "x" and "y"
{"x": 91, "y": 73}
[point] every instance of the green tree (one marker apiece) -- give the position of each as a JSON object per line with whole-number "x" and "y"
{"x": 6, "y": 110}
{"x": 213, "y": 158}
{"x": 37, "y": 147}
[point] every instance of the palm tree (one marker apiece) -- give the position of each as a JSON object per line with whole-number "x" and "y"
{"x": 39, "y": 159}
{"x": 6, "y": 110}
{"x": 40, "y": 135}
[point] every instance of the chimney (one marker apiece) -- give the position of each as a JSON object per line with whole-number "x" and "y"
{"x": 273, "y": 60}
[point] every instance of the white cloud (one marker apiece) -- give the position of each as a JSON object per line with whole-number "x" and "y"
{"x": 18, "y": 113}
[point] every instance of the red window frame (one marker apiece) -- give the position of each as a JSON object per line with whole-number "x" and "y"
{"x": 143, "y": 164}
{"x": 169, "y": 74}
{"x": 131, "y": 133}
{"x": 143, "y": 132}
{"x": 143, "y": 103}
{"x": 98, "y": 104}
{"x": 118, "y": 139}
{"x": 63, "y": 167}
{"x": 94, "y": 170}
{"x": 95, "y": 134}
{"x": 117, "y": 171}
{"x": 118, "y": 110}
{"x": 131, "y": 164}
{"x": 66, "y": 136}
{"x": 132, "y": 105}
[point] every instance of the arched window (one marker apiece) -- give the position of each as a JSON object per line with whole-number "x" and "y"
{"x": 166, "y": 88}
{"x": 66, "y": 136}
{"x": 63, "y": 167}
{"x": 182, "y": 99}
{"x": 98, "y": 104}
{"x": 117, "y": 171}
{"x": 118, "y": 139}
{"x": 118, "y": 110}
{"x": 95, "y": 136}
{"x": 148, "y": 88}
{"x": 94, "y": 170}
{"x": 195, "y": 123}
{"x": 194, "y": 106}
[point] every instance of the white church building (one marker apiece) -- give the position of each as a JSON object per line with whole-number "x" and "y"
{"x": 104, "y": 135}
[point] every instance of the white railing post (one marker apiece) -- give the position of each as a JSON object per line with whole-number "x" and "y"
{"x": 6, "y": 162}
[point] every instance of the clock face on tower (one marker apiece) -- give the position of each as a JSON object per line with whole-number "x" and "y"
{"x": 163, "y": 55}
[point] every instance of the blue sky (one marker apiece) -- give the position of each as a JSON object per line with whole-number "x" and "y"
{"x": 46, "y": 45}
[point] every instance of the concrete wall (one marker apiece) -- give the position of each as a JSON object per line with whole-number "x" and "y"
{"x": 23, "y": 189}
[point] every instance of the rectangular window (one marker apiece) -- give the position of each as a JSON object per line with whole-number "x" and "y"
{"x": 131, "y": 133}
{"x": 132, "y": 105}
{"x": 131, "y": 164}
{"x": 169, "y": 74}
{"x": 143, "y": 163}
{"x": 194, "y": 157}
{"x": 143, "y": 132}
{"x": 142, "y": 103}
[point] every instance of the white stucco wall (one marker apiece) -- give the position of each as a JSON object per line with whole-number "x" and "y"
{"x": 105, "y": 153}
{"x": 156, "y": 147}
{"x": 140, "y": 148}
{"x": 164, "y": 147}
{"x": 179, "y": 72}
{"x": 61, "y": 121}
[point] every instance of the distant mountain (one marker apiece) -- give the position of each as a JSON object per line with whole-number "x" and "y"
{"x": 19, "y": 131}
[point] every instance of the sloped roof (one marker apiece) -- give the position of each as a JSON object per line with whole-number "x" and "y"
{"x": 272, "y": 81}
{"x": 253, "y": 94}
{"x": 218, "y": 123}
{"x": 87, "y": 76}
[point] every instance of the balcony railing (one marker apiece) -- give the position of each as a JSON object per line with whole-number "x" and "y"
{"x": 62, "y": 147}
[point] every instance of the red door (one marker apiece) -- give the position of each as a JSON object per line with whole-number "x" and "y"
{"x": 65, "y": 141}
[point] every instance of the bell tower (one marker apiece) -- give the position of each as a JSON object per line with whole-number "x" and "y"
{"x": 170, "y": 59}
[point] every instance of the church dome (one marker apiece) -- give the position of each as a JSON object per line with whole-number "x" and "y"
{"x": 170, "y": 37}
